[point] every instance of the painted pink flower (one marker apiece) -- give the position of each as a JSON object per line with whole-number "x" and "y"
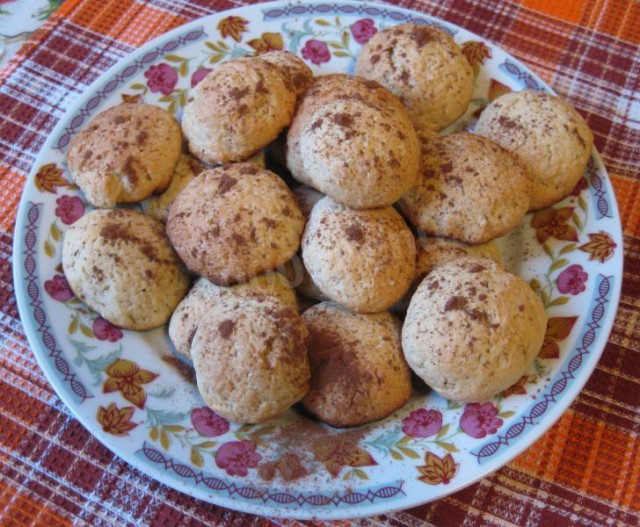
{"x": 58, "y": 288}
{"x": 422, "y": 423}
{"x": 198, "y": 75}
{"x": 572, "y": 280}
{"x": 161, "y": 78}
{"x": 363, "y": 30}
{"x": 478, "y": 420}
{"x": 69, "y": 209}
{"x": 237, "y": 456}
{"x": 316, "y": 51}
{"x": 105, "y": 330}
{"x": 208, "y": 423}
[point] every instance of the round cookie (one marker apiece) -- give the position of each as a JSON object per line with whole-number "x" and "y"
{"x": 121, "y": 264}
{"x": 424, "y": 68}
{"x": 362, "y": 154}
{"x": 234, "y": 222}
{"x": 187, "y": 168}
{"x": 469, "y": 189}
{"x": 362, "y": 259}
{"x": 204, "y": 295}
{"x": 125, "y": 154}
{"x": 237, "y": 109}
{"x": 358, "y": 372}
{"x": 546, "y": 135}
{"x": 298, "y": 74}
{"x": 432, "y": 252}
{"x": 250, "y": 359}
{"x": 472, "y": 329}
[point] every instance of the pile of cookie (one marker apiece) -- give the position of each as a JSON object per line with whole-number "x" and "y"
{"x": 375, "y": 217}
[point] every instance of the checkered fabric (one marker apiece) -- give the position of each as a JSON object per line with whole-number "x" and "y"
{"x": 585, "y": 470}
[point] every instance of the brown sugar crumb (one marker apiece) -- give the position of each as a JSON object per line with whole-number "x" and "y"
{"x": 455, "y": 303}
{"x": 141, "y": 138}
{"x": 354, "y": 233}
{"x": 226, "y": 184}
{"x": 271, "y": 224}
{"x": 98, "y": 273}
{"x": 521, "y": 308}
{"x": 507, "y": 123}
{"x": 422, "y": 35}
{"x": 238, "y": 93}
{"x": 225, "y": 328}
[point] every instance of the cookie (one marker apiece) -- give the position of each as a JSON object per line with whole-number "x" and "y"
{"x": 424, "y": 68}
{"x": 472, "y": 329}
{"x": 187, "y": 168}
{"x": 250, "y": 359}
{"x": 125, "y": 154}
{"x": 358, "y": 372}
{"x": 237, "y": 109}
{"x": 351, "y": 145}
{"x": 432, "y": 252}
{"x": 204, "y": 295}
{"x": 547, "y": 136}
{"x": 362, "y": 259}
{"x": 298, "y": 74}
{"x": 121, "y": 264}
{"x": 234, "y": 222}
{"x": 469, "y": 189}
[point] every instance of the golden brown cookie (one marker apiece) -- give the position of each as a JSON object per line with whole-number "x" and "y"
{"x": 546, "y": 135}
{"x": 350, "y": 142}
{"x": 234, "y": 222}
{"x": 125, "y": 154}
{"x": 121, "y": 264}
{"x": 472, "y": 329}
{"x": 358, "y": 372}
{"x": 469, "y": 189}
{"x": 424, "y": 68}
{"x": 250, "y": 359}
{"x": 237, "y": 109}
{"x": 362, "y": 259}
{"x": 204, "y": 295}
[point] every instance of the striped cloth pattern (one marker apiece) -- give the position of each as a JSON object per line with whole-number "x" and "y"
{"x": 584, "y": 471}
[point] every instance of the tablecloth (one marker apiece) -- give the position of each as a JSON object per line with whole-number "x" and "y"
{"x": 584, "y": 471}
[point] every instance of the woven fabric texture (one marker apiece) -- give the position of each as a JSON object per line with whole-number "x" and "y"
{"x": 583, "y": 471}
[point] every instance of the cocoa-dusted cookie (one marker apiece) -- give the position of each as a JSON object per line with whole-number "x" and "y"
{"x": 432, "y": 252}
{"x": 187, "y": 168}
{"x": 204, "y": 295}
{"x": 362, "y": 259}
{"x": 250, "y": 359}
{"x": 472, "y": 329}
{"x": 469, "y": 189}
{"x": 358, "y": 372}
{"x": 424, "y": 68}
{"x": 546, "y": 135}
{"x": 237, "y": 109}
{"x": 298, "y": 74}
{"x": 348, "y": 142}
{"x": 121, "y": 264}
{"x": 125, "y": 154}
{"x": 234, "y": 222}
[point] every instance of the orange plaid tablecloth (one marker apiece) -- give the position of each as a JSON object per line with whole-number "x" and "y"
{"x": 585, "y": 470}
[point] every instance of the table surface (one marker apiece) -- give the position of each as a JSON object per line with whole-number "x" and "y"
{"x": 584, "y": 470}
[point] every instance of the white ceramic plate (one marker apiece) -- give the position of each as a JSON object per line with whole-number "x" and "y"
{"x": 131, "y": 393}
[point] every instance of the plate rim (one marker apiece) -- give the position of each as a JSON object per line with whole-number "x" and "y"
{"x": 358, "y": 510}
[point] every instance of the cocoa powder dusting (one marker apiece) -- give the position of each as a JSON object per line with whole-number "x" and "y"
{"x": 225, "y": 328}
{"x": 226, "y": 184}
{"x": 455, "y": 303}
{"x": 354, "y": 233}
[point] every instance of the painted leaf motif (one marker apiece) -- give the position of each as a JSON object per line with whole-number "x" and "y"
{"x": 438, "y": 470}
{"x": 126, "y": 377}
{"x": 549, "y": 349}
{"x": 267, "y": 42}
{"x": 131, "y": 98}
{"x": 497, "y": 89}
{"x": 518, "y": 388}
{"x": 559, "y": 327}
{"x": 600, "y": 247}
{"x": 116, "y": 421}
{"x": 476, "y": 53}
{"x": 49, "y": 177}
{"x": 336, "y": 453}
{"x": 554, "y": 223}
{"x": 233, "y": 26}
